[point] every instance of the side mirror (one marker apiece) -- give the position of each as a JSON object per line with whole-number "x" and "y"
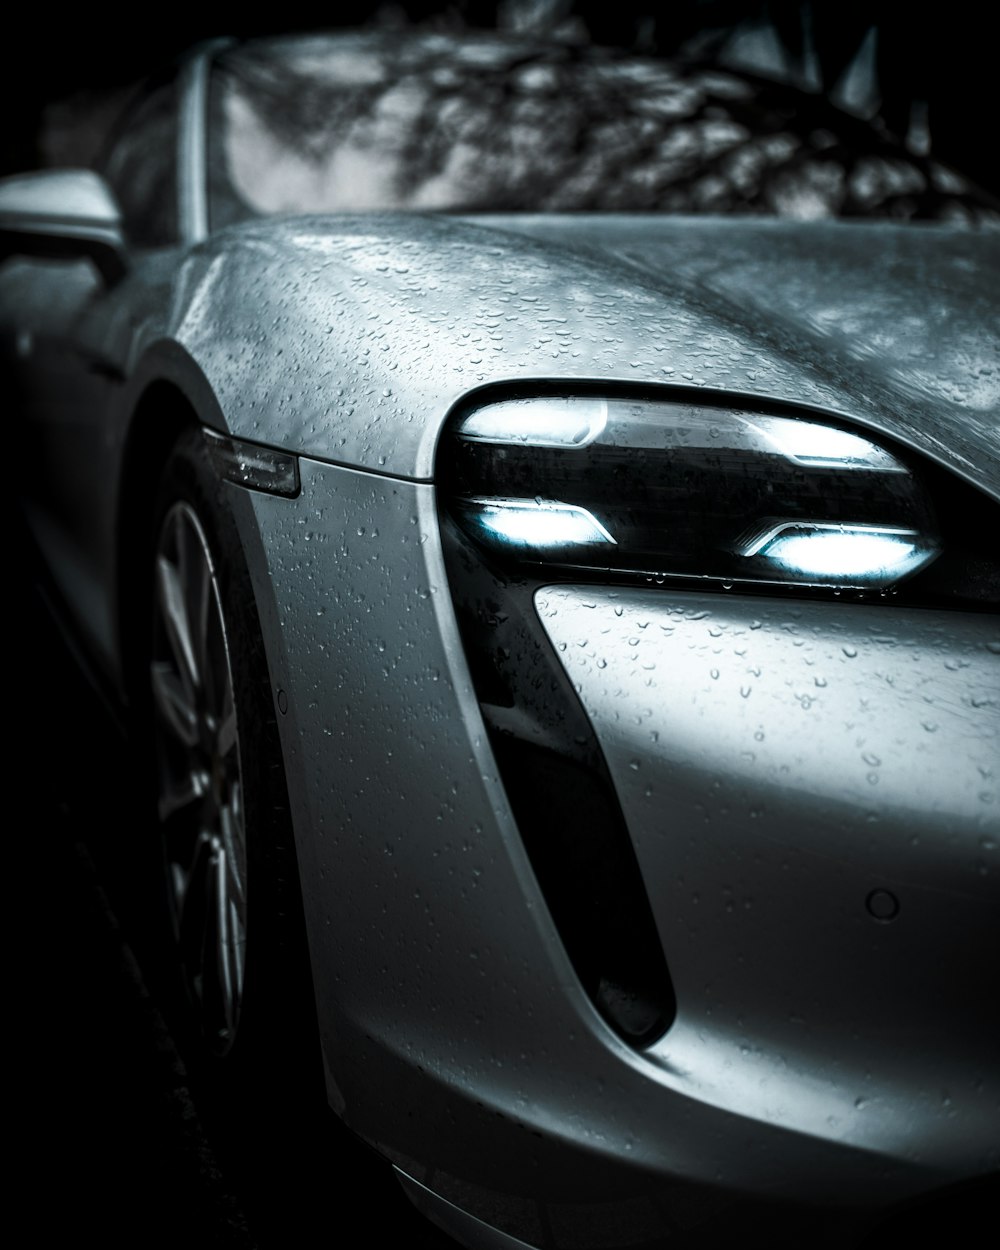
{"x": 68, "y": 213}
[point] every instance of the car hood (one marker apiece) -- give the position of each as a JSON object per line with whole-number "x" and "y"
{"x": 350, "y": 338}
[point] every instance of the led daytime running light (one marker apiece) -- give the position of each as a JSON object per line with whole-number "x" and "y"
{"x": 542, "y": 524}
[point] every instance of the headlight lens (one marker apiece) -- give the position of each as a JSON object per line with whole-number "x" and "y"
{"x": 671, "y": 489}
{"x": 532, "y": 526}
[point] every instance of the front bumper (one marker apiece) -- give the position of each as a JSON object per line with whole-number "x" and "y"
{"x": 819, "y": 1058}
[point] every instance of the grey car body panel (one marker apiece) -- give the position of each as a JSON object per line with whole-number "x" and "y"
{"x": 422, "y": 909}
{"x": 349, "y": 339}
{"x": 776, "y": 763}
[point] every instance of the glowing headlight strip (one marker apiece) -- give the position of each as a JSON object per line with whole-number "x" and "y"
{"x": 839, "y": 552}
{"x": 536, "y": 523}
{"x": 823, "y": 446}
{"x": 572, "y": 422}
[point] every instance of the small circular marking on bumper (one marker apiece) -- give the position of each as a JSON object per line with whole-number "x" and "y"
{"x": 882, "y": 905}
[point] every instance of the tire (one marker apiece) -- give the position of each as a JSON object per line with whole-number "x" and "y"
{"x": 242, "y": 1009}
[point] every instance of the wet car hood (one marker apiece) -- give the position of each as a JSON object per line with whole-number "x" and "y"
{"x": 350, "y": 338}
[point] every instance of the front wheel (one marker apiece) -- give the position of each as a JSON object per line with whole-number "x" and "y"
{"x": 246, "y": 1017}
{"x": 199, "y": 775}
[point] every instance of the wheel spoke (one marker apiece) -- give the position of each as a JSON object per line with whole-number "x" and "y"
{"x": 237, "y": 928}
{"x": 178, "y": 793}
{"x": 225, "y": 982}
{"x": 173, "y": 609}
{"x": 226, "y": 739}
{"x": 174, "y": 705}
{"x": 232, "y": 836}
{"x": 202, "y": 615}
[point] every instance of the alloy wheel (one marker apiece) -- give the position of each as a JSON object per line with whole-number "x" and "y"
{"x": 199, "y": 776}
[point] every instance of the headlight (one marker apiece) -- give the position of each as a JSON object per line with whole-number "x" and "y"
{"x": 670, "y": 489}
{"x": 577, "y": 488}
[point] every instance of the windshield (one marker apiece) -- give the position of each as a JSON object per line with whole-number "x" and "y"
{"x": 377, "y": 120}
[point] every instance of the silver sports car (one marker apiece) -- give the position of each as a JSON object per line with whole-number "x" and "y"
{"x": 561, "y": 635}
